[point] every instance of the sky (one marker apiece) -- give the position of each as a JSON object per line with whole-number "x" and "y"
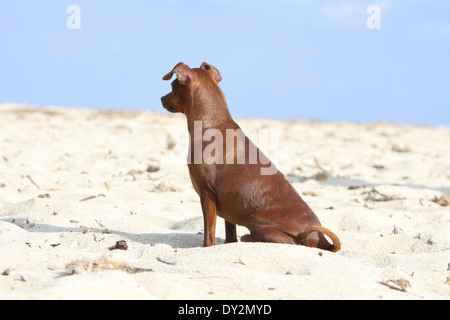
{"x": 286, "y": 59}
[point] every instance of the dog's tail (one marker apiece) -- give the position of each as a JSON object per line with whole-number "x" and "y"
{"x": 335, "y": 247}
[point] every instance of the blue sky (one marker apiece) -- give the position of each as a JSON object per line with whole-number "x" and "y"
{"x": 312, "y": 59}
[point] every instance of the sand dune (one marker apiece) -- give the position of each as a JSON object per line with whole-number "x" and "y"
{"x": 73, "y": 182}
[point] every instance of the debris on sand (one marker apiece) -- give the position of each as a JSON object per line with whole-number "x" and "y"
{"x": 375, "y": 195}
{"x": 443, "y": 201}
{"x": 105, "y": 263}
{"x": 121, "y": 245}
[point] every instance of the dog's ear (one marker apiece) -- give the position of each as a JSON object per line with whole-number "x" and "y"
{"x": 215, "y": 74}
{"x": 182, "y": 71}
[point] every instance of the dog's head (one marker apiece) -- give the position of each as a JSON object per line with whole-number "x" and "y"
{"x": 180, "y": 99}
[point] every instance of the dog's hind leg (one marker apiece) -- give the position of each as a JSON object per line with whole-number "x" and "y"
{"x": 267, "y": 234}
{"x": 230, "y": 232}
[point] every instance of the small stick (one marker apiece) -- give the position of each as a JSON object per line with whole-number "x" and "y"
{"x": 165, "y": 262}
{"x": 392, "y": 286}
{"x": 93, "y": 197}
{"x": 32, "y": 181}
{"x": 101, "y": 226}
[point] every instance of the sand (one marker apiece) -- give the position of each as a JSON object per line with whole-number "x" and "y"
{"x": 73, "y": 182}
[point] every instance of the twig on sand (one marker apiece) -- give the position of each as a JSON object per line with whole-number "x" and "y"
{"x": 399, "y": 284}
{"x": 33, "y": 182}
{"x": 93, "y": 197}
{"x": 37, "y": 186}
{"x": 165, "y": 262}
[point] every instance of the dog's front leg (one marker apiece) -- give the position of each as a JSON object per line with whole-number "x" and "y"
{"x": 209, "y": 219}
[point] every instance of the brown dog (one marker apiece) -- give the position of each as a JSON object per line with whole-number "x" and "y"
{"x": 231, "y": 182}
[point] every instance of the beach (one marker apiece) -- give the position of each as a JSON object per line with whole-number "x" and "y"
{"x": 74, "y": 182}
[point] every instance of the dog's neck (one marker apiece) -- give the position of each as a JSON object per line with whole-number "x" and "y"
{"x": 209, "y": 107}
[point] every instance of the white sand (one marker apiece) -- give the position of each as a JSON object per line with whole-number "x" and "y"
{"x": 52, "y": 158}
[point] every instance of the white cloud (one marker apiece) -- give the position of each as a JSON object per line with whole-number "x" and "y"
{"x": 434, "y": 31}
